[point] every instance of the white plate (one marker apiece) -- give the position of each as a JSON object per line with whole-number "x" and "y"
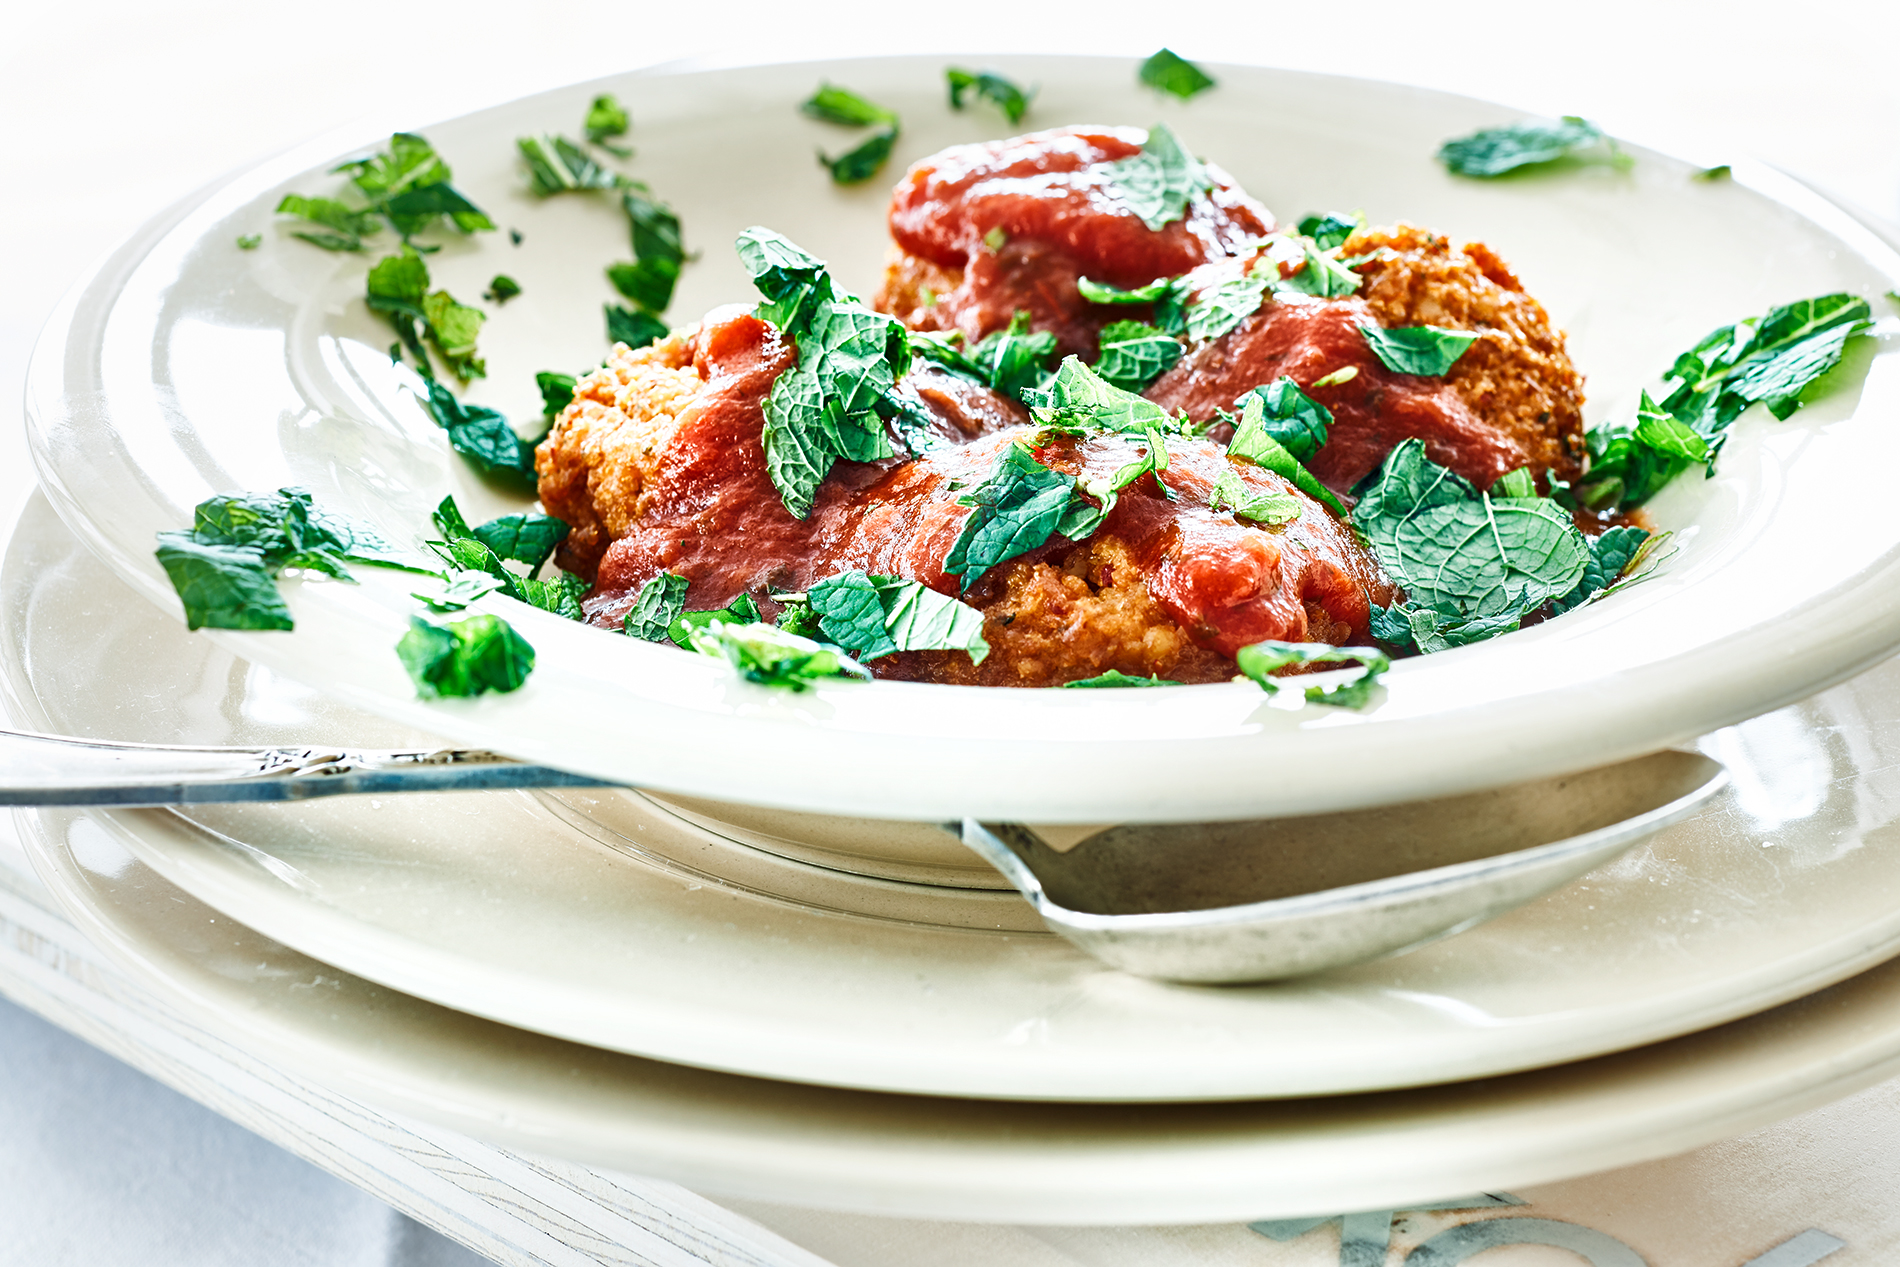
{"x": 667, "y": 941}
{"x": 959, "y": 1159}
{"x": 184, "y": 368}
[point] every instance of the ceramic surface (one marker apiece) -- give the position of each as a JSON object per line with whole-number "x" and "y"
{"x": 598, "y": 918}
{"x": 958, "y": 1159}
{"x": 184, "y": 367}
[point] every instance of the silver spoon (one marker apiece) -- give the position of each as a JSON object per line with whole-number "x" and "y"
{"x": 1199, "y": 902}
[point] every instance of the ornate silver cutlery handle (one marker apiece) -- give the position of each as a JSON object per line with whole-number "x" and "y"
{"x": 56, "y": 770}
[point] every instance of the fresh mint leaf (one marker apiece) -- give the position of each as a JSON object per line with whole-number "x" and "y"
{"x": 1254, "y": 441}
{"x": 1013, "y": 360}
{"x": 661, "y": 601}
{"x": 1116, "y": 678}
{"x": 991, "y": 87}
{"x": 1611, "y": 556}
{"x": 225, "y": 566}
{"x": 1517, "y": 483}
{"x": 840, "y": 105}
{"x": 1423, "y": 350}
{"x": 560, "y": 594}
{"x": 851, "y": 615}
{"x": 655, "y": 228}
{"x": 249, "y": 241}
{"x": 1290, "y": 416}
{"x": 1495, "y": 151}
{"x": 1261, "y": 660}
{"x": 1772, "y": 359}
{"x": 463, "y": 588}
{"x": 740, "y": 611}
{"x": 465, "y": 658}
{"x": 557, "y": 165}
{"x": 349, "y": 226}
{"x": 398, "y": 288}
{"x": 770, "y": 656}
{"x": 944, "y": 350}
{"x": 1465, "y": 554}
{"x": 1332, "y": 229}
{"x": 1169, "y": 295}
{"x": 607, "y": 119}
{"x": 557, "y": 391}
{"x": 1221, "y": 307}
{"x": 501, "y": 288}
{"x": 480, "y": 434}
{"x": 1078, "y": 400}
{"x": 633, "y": 327}
{"x": 1429, "y": 631}
{"x": 861, "y": 162}
{"x": 1169, "y": 72}
{"x": 524, "y": 537}
{"x": 1158, "y": 183}
{"x": 1134, "y": 354}
{"x": 408, "y": 183}
{"x": 1017, "y": 508}
{"x": 447, "y": 518}
{"x": 836, "y": 401}
{"x": 1322, "y": 276}
{"x": 649, "y": 283}
{"x": 223, "y": 587}
{"x": 1230, "y": 492}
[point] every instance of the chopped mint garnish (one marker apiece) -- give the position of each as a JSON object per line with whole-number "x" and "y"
{"x": 661, "y": 601}
{"x": 607, "y": 119}
{"x": 632, "y": 327}
{"x": 1158, "y": 183}
{"x": 1423, "y": 350}
{"x": 1169, "y": 72}
{"x": 466, "y": 657}
{"x": 249, "y": 241}
{"x": 557, "y": 391}
{"x": 991, "y": 87}
{"x": 501, "y": 288}
{"x": 398, "y": 287}
{"x": 1263, "y": 659}
{"x": 1017, "y": 509}
{"x": 770, "y": 656}
{"x": 1221, "y": 307}
{"x": 1495, "y": 151}
{"x": 480, "y": 434}
{"x": 873, "y": 616}
{"x": 1115, "y": 677}
{"x": 1133, "y": 355}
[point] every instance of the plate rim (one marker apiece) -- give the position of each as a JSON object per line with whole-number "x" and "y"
{"x": 1670, "y": 709}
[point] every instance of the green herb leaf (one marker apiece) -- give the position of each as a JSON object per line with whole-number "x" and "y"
{"x": 249, "y": 241}
{"x": 453, "y": 328}
{"x": 560, "y": 594}
{"x": 1424, "y": 350}
{"x": 525, "y": 537}
{"x": 1168, "y": 295}
{"x": 661, "y": 601}
{"x": 606, "y": 119}
{"x": 1116, "y": 678}
{"x": 1230, "y": 492}
{"x": 834, "y": 403}
{"x": 557, "y": 165}
{"x": 648, "y": 283}
{"x": 1611, "y": 555}
{"x": 840, "y": 105}
{"x": 1158, "y": 183}
{"x": 1078, "y": 400}
{"x": 1013, "y": 360}
{"x": 991, "y": 87}
{"x": 1134, "y": 355}
{"x": 860, "y": 163}
{"x": 1017, "y": 509}
{"x": 557, "y": 391}
{"x": 655, "y": 230}
{"x": 1773, "y": 359}
{"x": 350, "y": 225}
{"x": 463, "y": 588}
{"x": 1263, "y": 659}
{"x": 1332, "y": 229}
{"x": 1168, "y": 72}
{"x": 468, "y": 657}
{"x": 771, "y": 656}
{"x": 398, "y": 288}
{"x": 1290, "y": 416}
{"x": 1465, "y": 554}
{"x": 224, "y": 587}
{"x": 1495, "y": 151}
{"x": 1518, "y": 483}
{"x": 632, "y": 327}
{"x": 1220, "y": 308}
{"x": 479, "y": 434}
{"x": 1255, "y": 442}
{"x": 501, "y": 288}
{"x": 1323, "y": 276}
{"x": 740, "y": 611}
{"x": 409, "y": 184}
{"x": 873, "y": 616}
{"x": 1429, "y": 630}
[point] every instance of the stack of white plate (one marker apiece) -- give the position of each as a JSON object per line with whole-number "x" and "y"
{"x": 833, "y": 1007}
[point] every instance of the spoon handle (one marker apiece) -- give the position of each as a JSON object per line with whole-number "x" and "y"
{"x": 56, "y": 770}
